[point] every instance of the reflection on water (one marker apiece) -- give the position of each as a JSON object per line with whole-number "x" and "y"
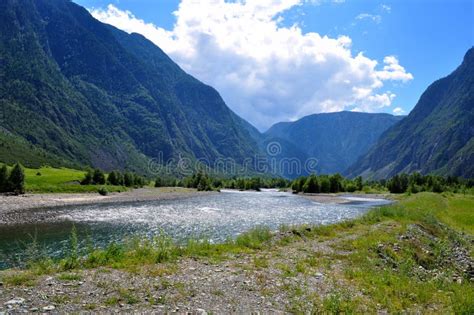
{"x": 215, "y": 216}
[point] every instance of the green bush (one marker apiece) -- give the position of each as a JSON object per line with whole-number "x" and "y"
{"x": 103, "y": 191}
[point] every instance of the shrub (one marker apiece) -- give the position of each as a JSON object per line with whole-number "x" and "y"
{"x": 103, "y": 191}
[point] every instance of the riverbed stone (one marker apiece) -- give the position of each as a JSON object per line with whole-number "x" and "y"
{"x": 15, "y": 301}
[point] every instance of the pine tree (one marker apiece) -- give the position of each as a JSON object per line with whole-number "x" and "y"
{"x": 325, "y": 185}
{"x": 87, "y": 179}
{"x": 16, "y": 181}
{"x": 311, "y": 185}
{"x": 158, "y": 182}
{"x": 112, "y": 179}
{"x": 358, "y": 183}
{"x": 128, "y": 179}
{"x": 3, "y": 179}
{"x": 98, "y": 178}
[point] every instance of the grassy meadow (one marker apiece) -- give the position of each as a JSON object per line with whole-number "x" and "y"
{"x": 60, "y": 180}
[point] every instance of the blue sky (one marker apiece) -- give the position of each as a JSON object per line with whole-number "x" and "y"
{"x": 426, "y": 38}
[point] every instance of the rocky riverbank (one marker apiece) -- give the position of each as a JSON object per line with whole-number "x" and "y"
{"x": 11, "y": 204}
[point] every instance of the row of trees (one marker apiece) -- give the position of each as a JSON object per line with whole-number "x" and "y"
{"x": 12, "y": 181}
{"x": 416, "y": 182}
{"x": 326, "y": 184}
{"x": 398, "y": 184}
{"x": 115, "y": 178}
{"x": 203, "y": 182}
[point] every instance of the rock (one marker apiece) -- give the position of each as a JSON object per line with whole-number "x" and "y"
{"x": 200, "y": 311}
{"x": 15, "y": 301}
{"x": 49, "y": 308}
{"x": 318, "y": 275}
{"x": 34, "y": 309}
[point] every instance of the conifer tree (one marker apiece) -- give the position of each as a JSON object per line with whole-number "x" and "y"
{"x": 16, "y": 181}
{"x": 3, "y": 179}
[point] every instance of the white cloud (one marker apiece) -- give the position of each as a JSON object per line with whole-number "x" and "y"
{"x": 393, "y": 70}
{"x": 367, "y": 16}
{"x": 398, "y": 111}
{"x": 264, "y": 71}
{"x": 386, "y": 8}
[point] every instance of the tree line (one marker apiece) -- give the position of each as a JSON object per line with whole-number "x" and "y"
{"x": 415, "y": 182}
{"x": 115, "y": 178}
{"x": 203, "y": 182}
{"x": 12, "y": 181}
{"x": 398, "y": 184}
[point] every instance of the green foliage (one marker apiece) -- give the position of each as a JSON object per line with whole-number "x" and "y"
{"x": 398, "y": 184}
{"x": 3, "y": 178}
{"x": 255, "y": 238}
{"x": 128, "y": 179}
{"x": 103, "y": 191}
{"x": 98, "y": 178}
{"x": 311, "y": 185}
{"x": 115, "y": 178}
{"x": 88, "y": 178}
{"x": 13, "y": 181}
{"x": 72, "y": 260}
{"x": 158, "y": 182}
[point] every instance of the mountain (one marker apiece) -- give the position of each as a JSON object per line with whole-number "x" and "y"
{"x": 436, "y": 137}
{"x": 75, "y": 91}
{"x": 336, "y": 140}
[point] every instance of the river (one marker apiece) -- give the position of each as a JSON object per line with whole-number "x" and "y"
{"x": 214, "y": 216}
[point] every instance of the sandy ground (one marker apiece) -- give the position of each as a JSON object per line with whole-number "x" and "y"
{"x": 34, "y": 201}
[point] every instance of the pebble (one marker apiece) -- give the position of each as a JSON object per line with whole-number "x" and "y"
{"x": 15, "y": 301}
{"x": 318, "y": 275}
{"x": 49, "y": 308}
{"x": 200, "y": 311}
{"x": 34, "y": 309}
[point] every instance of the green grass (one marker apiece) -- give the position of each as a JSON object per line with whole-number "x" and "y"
{"x": 18, "y": 278}
{"x": 69, "y": 277}
{"x": 459, "y": 213}
{"x": 60, "y": 180}
{"x": 390, "y": 274}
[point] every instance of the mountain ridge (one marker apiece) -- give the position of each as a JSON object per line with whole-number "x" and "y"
{"x": 91, "y": 94}
{"x": 437, "y": 135}
{"x": 334, "y": 139}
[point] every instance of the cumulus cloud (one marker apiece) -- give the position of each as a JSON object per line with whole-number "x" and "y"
{"x": 398, "y": 111}
{"x": 266, "y": 72}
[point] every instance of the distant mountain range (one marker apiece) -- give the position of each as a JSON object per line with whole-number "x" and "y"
{"x": 75, "y": 91}
{"x": 436, "y": 137}
{"x": 335, "y": 140}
